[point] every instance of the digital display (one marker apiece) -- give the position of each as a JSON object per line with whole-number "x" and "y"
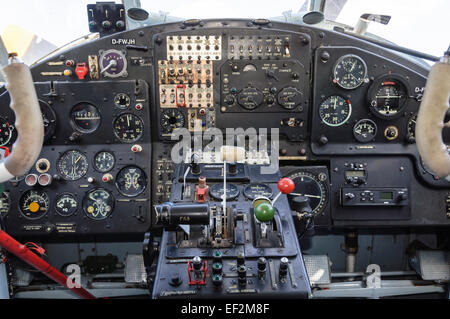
{"x": 355, "y": 173}
{"x": 386, "y": 195}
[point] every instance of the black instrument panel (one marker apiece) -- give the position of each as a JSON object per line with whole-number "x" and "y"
{"x": 107, "y": 131}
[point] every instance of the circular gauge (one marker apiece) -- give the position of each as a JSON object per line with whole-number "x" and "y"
{"x": 250, "y": 98}
{"x": 131, "y": 181}
{"x": 349, "y": 72}
{"x": 113, "y": 63}
{"x": 216, "y": 191}
{"x": 72, "y": 165}
{"x": 5, "y": 131}
{"x": 104, "y": 161}
{"x": 335, "y": 110}
{"x": 98, "y": 204}
{"x": 365, "y": 130}
{"x": 66, "y": 205}
{"x": 387, "y": 97}
{"x": 253, "y": 191}
{"x": 122, "y": 100}
{"x": 34, "y": 204}
{"x": 171, "y": 119}
{"x": 5, "y": 203}
{"x": 49, "y": 119}
{"x": 289, "y": 98}
{"x": 128, "y": 128}
{"x": 411, "y": 127}
{"x": 311, "y": 186}
{"x": 85, "y": 117}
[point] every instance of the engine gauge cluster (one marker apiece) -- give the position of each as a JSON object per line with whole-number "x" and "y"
{"x": 131, "y": 181}
{"x": 98, "y": 204}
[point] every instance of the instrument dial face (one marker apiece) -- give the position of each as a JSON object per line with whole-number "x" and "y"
{"x": 349, "y": 72}
{"x": 66, "y": 205}
{"x": 113, "y": 64}
{"x": 365, "y": 130}
{"x": 250, "y": 98}
{"x": 5, "y": 131}
{"x": 104, "y": 161}
{"x": 49, "y": 119}
{"x": 5, "y": 203}
{"x": 85, "y": 117}
{"x": 122, "y": 100}
{"x": 128, "y": 128}
{"x": 289, "y": 98}
{"x": 335, "y": 110}
{"x": 72, "y": 165}
{"x": 131, "y": 181}
{"x": 34, "y": 204}
{"x": 216, "y": 191}
{"x": 309, "y": 185}
{"x": 98, "y": 204}
{"x": 171, "y": 119}
{"x": 387, "y": 97}
{"x": 253, "y": 191}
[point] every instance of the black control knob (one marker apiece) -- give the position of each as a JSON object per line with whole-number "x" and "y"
{"x": 75, "y": 137}
{"x": 242, "y": 275}
{"x": 402, "y": 197}
{"x": 232, "y": 168}
{"x": 262, "y": 267}
{"x": 301, "y": 204}
{"x": 283, "y": 266}
{"x": 323, "y": 140}
{"x": 175, "y": 280}
{"x": 240, "y": 259}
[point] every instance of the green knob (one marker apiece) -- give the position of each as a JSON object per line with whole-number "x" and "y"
{"x": 264, "y": 212}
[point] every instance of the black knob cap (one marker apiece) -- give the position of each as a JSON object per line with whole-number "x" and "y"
{"x": 283, "y": 266}
{"x": 232, "y": 168}
{"x": 262, "y": 263}
{"x": 323, "y": 140}
{"x": 42, "y": 166}
{"x": 240, "y": 259}
{"x": 175, "y": 280}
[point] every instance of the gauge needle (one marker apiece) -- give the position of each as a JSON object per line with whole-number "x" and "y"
{"x": 77, "y": 159}
{"x": 111, "y": 64}
{"x": 307, "y": 195}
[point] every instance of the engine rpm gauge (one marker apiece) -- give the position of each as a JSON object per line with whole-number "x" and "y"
{"x": 72, "y": 165}
{"x": 98, "y": 204}
{"x": 66, "y": 205}
{"x": 85, "y": 117}
{"x": 387, "y": 97}
{"x": 171, "y": 119}
{"x": 34, "y": 204}
{"x": 5, "y": 131}
{"x": 216, "y": 191}
{"x": 104, "y": 161}
{"x": 131, "y": 181}
{"x": 311, "y": 186}
{"x": 128, "y": 128}
{"x": 349, "y": 72}
{"x": 335, "y": 110}
{"x": 365, "y": 130}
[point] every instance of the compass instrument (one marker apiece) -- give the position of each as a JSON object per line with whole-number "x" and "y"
{"x": 335, "y": 110}
{"x": 72, "y": 165}
{"x": 85, "y": 117}
{"x": 128, "y": 128}
{"x": 131, "y": 181}
{"x": 365, "y": 130}
{"x": 98, "y": 204}
{"x": 66, "y": 205}
{"x": 34, "y": 204}
{"x": 349, "y": 72}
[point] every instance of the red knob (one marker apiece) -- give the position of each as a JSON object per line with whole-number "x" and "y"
{"x": 286, "y": 185}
